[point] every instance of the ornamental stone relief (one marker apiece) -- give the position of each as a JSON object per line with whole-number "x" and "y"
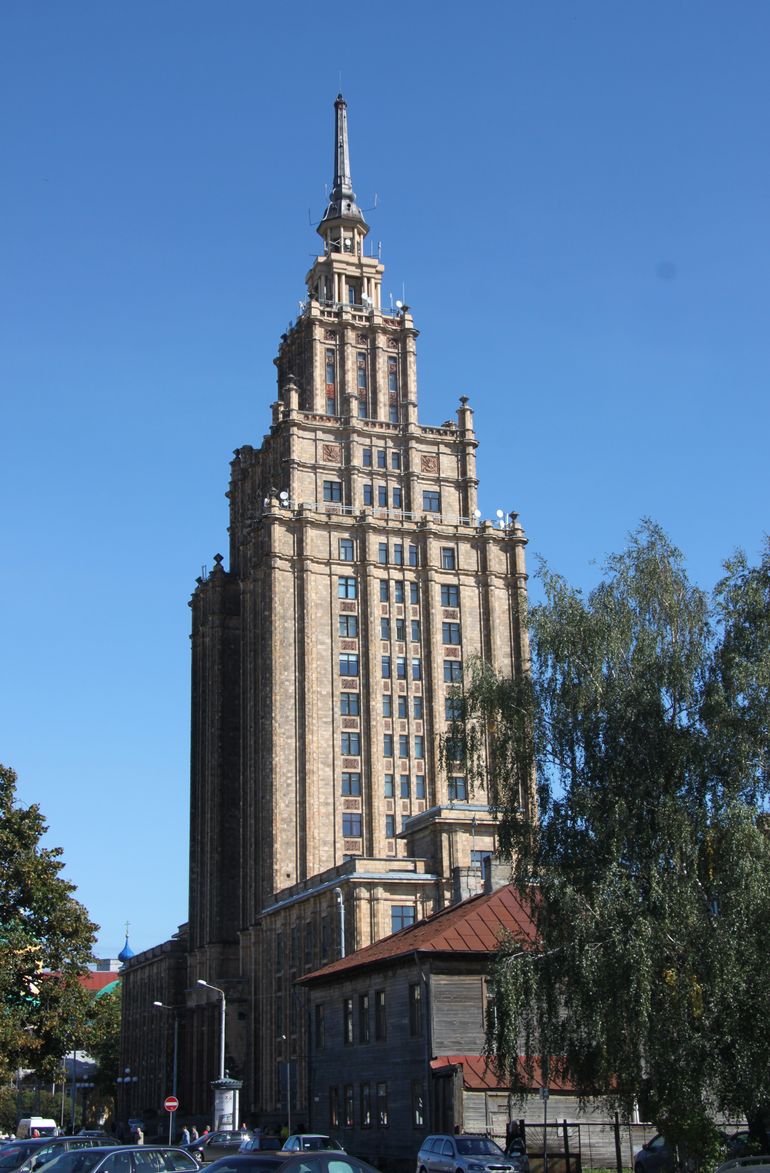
{"x": 429, "y": 463}
{"x": 331, "y": 453}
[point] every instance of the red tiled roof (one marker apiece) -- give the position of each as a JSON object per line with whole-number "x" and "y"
{"x": 97, "y": 979}
{"x": 474, "y": 926}
{"x": 479, "y": 1074}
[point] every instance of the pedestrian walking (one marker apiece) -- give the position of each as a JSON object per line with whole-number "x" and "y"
{"x": 185, "y": 1135}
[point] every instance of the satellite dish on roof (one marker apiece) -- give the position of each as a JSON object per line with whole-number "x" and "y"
{"x": 477, "y": 513}
{"x": 283, "y": 496}
{"x": 500, "y": 513}
{"x": 399, "y": 305}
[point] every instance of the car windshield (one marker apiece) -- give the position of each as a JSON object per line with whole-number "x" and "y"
{"x": 478, "y": 1146}
{"x": 77, "y": 1161}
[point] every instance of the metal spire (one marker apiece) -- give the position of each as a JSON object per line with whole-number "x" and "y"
{"x": 342, "y": 201}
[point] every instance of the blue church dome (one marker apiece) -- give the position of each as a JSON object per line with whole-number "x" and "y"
{"x": 126, "y": 952}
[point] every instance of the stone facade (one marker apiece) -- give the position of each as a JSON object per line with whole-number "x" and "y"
{"x": 325, "y": 658}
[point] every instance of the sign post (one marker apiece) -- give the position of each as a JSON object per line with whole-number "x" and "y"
{"x": 171, "y": 1103}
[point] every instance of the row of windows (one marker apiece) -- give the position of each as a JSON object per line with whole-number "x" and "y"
{"x": 341, "y": 1113}
{"x": 348, "y": 629}
{"x": 402, "y": 706}
{"x": 402, "y": 915}
{"x": 382, "y": 459}
{"x": 404, "y": 786}
{"x": 354, "y": 298}
{"x": 349, "y": 666}
{"x": 403, "y": 746}
{"x": 352, "y": 828}
{"x": 347, "y": 586}
{"x": 431, "y": 499}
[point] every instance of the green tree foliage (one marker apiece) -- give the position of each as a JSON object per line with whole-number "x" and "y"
{"x": 46, "y": 942}
{"x": 645, "y": 722}
{"x": 101, "y": 1041}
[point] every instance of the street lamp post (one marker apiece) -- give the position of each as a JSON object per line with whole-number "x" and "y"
{"x": 221, "y": 993}
{"x": 285, "y": 1041}
{"x": 225, "y": 1090}
{"x": 175, "y": 1011}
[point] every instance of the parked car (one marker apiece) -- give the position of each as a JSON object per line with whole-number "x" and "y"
{"x": 310, "y": 1142}
{"x": 213, "y": 1145}
{"x": 36, "y": 1126}
{"x": 25, "y": 1156}
{"x": 133, "y": 1158}
{"x": 322, "y": 1161}
{"x": 464, "y": 1154}
{"x": 656, "y": 1156}
{"x": 760, "y": 1164}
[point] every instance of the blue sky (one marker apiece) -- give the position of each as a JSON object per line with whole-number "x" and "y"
{"x": 574, "y": 198}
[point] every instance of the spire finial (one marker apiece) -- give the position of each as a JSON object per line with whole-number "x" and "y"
{"x": 342, "y": 200}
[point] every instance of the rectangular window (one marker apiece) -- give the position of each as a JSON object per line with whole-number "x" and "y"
{"x": 382, "y": 496}
{"x": 401, "y": 667}
{"x": 367, "y": 458}
{"x": 350, "y": 744}
{"x": 346, "y": 549}
{"x": 417, "y": 708}
{"x": 401, "y": 917}
{"x": 399, "y": 589}
{"x": 416, "y": 669}
{"x": 453, "y": 708}
{"x": 450, "y": 633}
{"x": 331, "y": 404}
{"x": 382, "y": 1105}
{"x": 382, "y": 553}
{"x": 386, "y": 667}
{"x": 402, "y": 707}
{"x": 361, "y": 371}
{"x": 388, "y": 787}
{"x": 448, "y": 558}
{"x": 320, "y": 1027}
{"x": 349, "y": 704}
{"x": 431, "y": 501}
{"x": 383, "y": 590}
{"x": 454, "y": 751}
{"x": 415, "y": 1010}
{"x": 395, "y": 460}
{"x": 387, "y": 704}
{"x": 366, "y": 1105}
{"x": 400, "y": 630}
{"x": 415, "y": 631}
{"x": 414, "y": 594}
{"x": 346, "y": 588}
{"x": 403, "y": 746}
{"x": 363, "y": 1018}
{"x": 384, "y": 628}
{"x": 334, "y": 1107}
{"x": 418, "y": 1105}
{"x": 404, "y": 785}
{"x": 393, "y": 413}
{"x": 390, "y": 826}
{"x": 381, "y": 458}
{"x": 419, "y": 786}
{"x": 348, "y": 664}
{"x": 453, "y": 671}
{"x": 348, "y": 1108}
{"x": 351, "y": 826}
{"x": 387, "y": 745}
{"x": 397, "y": 498}
{"x": 392, "y": 375}
{"x": 450, "y": 595}
{"x": 332, "y": 490}
{"x": 330, "y": 366}
{"x": 348, "y": 626}
{"x": 347, "y": 1021}
{"x": 457, "y": 789}
{"x": 380, "y": 1023}
{"x": 368, "y": 494}
{"x": 398, "y": 553}
{"x": 419, "y": 746}
{"x": 351, "y": 783}
{"x": 413, "y": 559}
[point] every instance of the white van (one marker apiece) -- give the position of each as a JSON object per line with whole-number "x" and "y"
{"x": 41, "y": 1124}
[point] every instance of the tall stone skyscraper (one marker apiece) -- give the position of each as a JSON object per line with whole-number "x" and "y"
{"x": 326, "y": 655}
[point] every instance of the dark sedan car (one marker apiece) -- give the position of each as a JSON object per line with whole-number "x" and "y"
{"x": 125, "y": 1159}
{"x": 25, "y": 1156}
{"x": 314, "y": 1162}
{"x": 213, "y": 1145}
